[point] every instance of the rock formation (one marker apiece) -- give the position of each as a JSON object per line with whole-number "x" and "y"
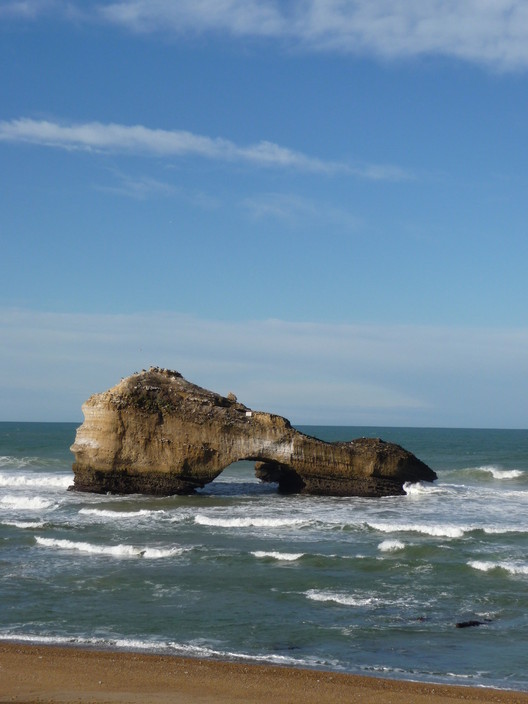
{"x": 156, "y": 433}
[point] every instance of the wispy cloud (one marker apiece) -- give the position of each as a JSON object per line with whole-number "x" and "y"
{"x": 493, "y": 33}
{"x": 141, "y": 187}
{"x": 296, "y": 210}
{"x": 310, "y": 372}
{"x": 25, "y": 9}
{"x": 32, "y": 10}
{"x": 138, "y": 139}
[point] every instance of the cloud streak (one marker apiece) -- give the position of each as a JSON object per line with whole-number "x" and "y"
{"x": 140, "y": 140}
{"x": 297, "y": 211}
{"x": 492, "y": 33}
{"x": 26, "y": 9}
{"x": 310, "y": 372}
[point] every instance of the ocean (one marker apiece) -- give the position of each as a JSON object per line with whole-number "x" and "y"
{"x": 237, "y": 571}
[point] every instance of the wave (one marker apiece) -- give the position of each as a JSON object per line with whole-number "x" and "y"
{"x": 287, "y": 556}
{"x": 17, "y": 462}
{"x": 497, "y": 473}
{"x": 247, "y": 522}
{"x": 435, "y": 530}
{"x": 202, "y": 651}
{"x": 32, "y": 480}
{"x": 112, "y": 550}
{"x": 422, "y": 489}
{"x": 339, "y": 598}
{"x": 391, "y": 545}
{"x": 21, "y": 462}
{"x": 106, "y": 513}
{"x": 24, "y": 524}
{"x": 485, "y": 473}
{"x": 487, "y": 566}
{"x": 31, "y": 503}
{"x": 499, "y": 530}
{"x": 194, "y": 650}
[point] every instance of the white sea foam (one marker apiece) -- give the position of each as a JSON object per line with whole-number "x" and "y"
{"x": 246, "y": 522}
{"x": 25, "y": 524}
{"x": 17, "y": 462}
{"x": 117, "y": 515}
{"x": 191, "y": 649}
{"x": 36, "y": 480}
{"x": 31, "y": 503}
{"x": 436, "y": 530}
{"x": 49, "y": 640}
{"x": 417, "y": 489}
{"x": 497, "y": 473}
{"x": 391, "y": 545}
{"x": 287, "y": 556}
{"x": 499, "y": 530}
{"x": 203, "y": 651}
{"x": 339, "y": 598}
{"x": 487, "y": 565}
{"x": 112, "y": 550}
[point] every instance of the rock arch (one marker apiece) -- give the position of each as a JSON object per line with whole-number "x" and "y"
{"x": 157, "y": 433}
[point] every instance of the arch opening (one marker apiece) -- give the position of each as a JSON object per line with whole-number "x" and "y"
{"x": 254, "y": 475}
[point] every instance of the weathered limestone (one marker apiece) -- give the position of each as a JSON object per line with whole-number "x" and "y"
{"x": 157, "y": 433}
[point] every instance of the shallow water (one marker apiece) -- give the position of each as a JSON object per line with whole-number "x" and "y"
{"x": 357, "y": 585}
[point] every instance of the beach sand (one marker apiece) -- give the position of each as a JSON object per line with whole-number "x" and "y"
{"x": 32, "y": 674}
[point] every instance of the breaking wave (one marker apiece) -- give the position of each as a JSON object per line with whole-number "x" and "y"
{"x": 25, "y": 524}
{"x": 391, "y": 545}
{"x": 338, "y": 598}
{"x": 488, "y": 565}
{"x": 435, "y": 530}
{"x": 287, "y": 556}
{"x": 17, "y": 462}
{"x": 106, "y": 513}
{"x": 35, "y": 480}
{"x": 31, "y": 503}
{"x": 247, "y": 522}
{"x": 195, "y": 650}
{"x": 422, "y": 489}
{"x": 112, "y": 550}
{"x": 497, "y": 473}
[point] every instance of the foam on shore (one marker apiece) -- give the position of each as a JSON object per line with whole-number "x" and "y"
{"x": 130, "y": 678}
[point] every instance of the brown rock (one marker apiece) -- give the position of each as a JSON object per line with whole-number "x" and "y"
{"x": 157, "y": 433}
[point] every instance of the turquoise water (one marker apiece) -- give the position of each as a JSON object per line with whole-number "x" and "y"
{"x": 237, "y": 571}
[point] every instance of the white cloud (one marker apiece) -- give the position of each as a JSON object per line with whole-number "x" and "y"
{"x": 141, "y": 187}
{"x": 296, "y": 210}
{"x": 493, "y": 32}
{"x": 488, "y": 32}
{"x": 239, "y": 17}
{"x": 137, "y": 139}
{"x": 31, "y": 10}
{"x": 309, "y": 372}
{"x": 25, "y": 9}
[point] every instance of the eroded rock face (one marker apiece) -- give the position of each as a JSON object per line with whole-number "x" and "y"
{"x": 156, "y": 433}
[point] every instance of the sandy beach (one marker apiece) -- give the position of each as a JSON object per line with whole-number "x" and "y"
{"x": 32, "y": 674}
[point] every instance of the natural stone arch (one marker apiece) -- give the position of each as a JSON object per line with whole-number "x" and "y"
{"x": 157, "y": 433}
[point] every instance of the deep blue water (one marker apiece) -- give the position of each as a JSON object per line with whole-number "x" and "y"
{"x": 357, "y": 585}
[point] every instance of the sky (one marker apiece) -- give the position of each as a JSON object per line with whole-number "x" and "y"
{"x": 319, "y": 205}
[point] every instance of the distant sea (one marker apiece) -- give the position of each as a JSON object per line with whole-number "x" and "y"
{"x": 367, "y": 586}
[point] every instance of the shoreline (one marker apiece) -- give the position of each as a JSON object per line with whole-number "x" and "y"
{"x": 52, "y": 674}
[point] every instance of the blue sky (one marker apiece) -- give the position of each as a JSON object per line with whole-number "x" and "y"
{"x": 320, "y": 206}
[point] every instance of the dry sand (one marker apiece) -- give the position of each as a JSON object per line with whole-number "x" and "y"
{"x": 48, "y": 674}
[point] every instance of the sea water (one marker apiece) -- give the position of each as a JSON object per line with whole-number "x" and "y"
{"x": 238, "y": 571}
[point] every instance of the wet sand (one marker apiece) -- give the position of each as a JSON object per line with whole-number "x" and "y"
{"x": 41, "y": 674}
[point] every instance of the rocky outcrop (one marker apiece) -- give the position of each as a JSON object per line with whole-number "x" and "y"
{"x": 157, "y": 433}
